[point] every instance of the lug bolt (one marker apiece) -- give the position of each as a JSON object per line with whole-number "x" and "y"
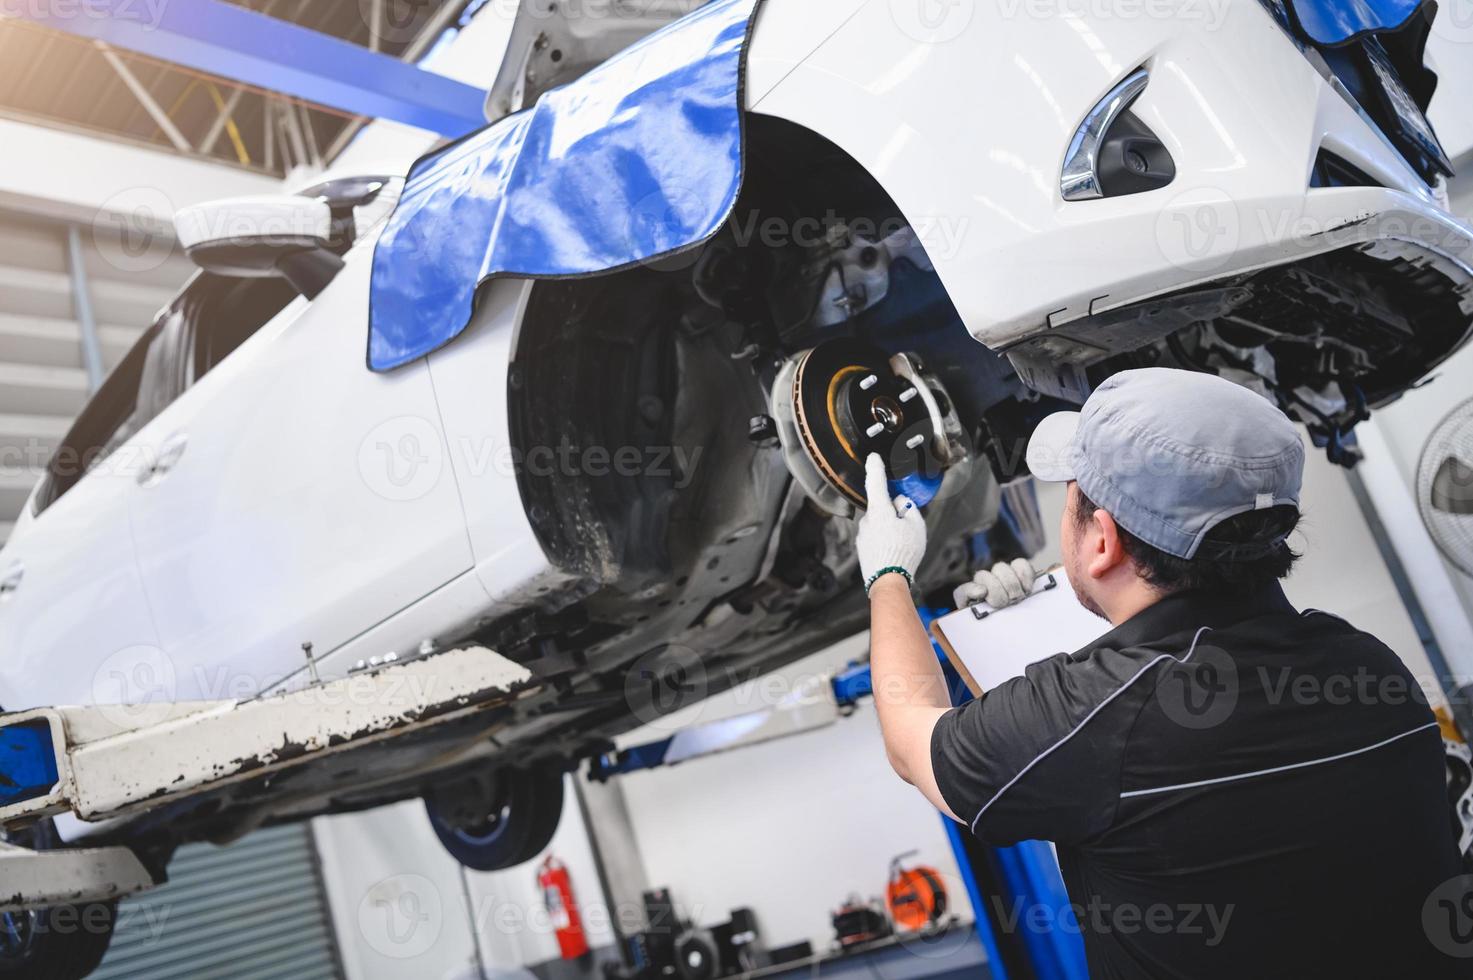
{"x": 874, "y": 430}
{"x": 908, "y": 394}
{"x": 869, "y": 382}
{"x": 915, "y": 441}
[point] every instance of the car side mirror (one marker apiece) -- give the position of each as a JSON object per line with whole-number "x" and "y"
{"x": 256, "y": 237}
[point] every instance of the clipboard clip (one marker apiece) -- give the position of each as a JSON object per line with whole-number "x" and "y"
{"x": 981, "y": 610}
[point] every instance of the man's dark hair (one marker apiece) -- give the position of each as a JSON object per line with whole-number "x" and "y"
{"x": 1258, "y": 534}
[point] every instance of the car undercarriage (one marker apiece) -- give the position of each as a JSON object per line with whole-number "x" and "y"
{"x": 686, "y": 432}
{"x": 735, "y": 563}
{"x": 472, "y": 475}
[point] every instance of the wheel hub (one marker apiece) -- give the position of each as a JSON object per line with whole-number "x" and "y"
{"x": 843, "y": 400}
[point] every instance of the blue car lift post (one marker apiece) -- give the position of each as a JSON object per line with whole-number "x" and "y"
{"x": 1024, "y": 878}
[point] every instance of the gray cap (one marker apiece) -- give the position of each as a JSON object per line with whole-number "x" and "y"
{"x": 1169, "y": 454}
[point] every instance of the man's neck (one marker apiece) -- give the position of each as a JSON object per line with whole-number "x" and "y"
{"x": 1134, "y": 598}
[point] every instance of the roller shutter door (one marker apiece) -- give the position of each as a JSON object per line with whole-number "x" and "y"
{"x": 254, "y": 910}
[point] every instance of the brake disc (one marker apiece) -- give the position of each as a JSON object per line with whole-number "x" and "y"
{"x": 843, "y": 400}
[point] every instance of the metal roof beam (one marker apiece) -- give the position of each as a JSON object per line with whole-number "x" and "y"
{"x": 222, "y": 39}
{"x": 145, "y": 98}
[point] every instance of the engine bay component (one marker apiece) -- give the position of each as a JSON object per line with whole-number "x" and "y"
{"x": 837, "y": 403}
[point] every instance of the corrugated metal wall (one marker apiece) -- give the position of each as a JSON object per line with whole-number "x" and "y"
{"x": 42, "y": 382}
{"x": 252, "y": 911}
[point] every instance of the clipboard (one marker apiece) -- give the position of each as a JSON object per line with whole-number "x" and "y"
{"x": 989, "y": 646}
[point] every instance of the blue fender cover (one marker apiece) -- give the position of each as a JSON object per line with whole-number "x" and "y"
{"x": 1398, "y": 28}
{"x": 637, "y": 160}
{"x": 1335, "y": 22}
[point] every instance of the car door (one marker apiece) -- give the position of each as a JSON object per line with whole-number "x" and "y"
{"x": 297, "y": 498}
{"x": 74, "y": 624}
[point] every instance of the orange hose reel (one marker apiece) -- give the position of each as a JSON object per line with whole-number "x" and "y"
{"x": 915, "y": 897}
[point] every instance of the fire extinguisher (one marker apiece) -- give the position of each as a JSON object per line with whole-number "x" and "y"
{"x": 562, "y": 908}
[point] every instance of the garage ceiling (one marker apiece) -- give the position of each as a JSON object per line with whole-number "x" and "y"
{"x": 57, "y": 78}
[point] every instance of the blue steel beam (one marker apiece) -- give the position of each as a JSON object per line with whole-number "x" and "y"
{"x": 240, "y": 44}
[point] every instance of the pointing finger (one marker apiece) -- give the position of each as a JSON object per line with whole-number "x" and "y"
{"x": 876, "y": 483}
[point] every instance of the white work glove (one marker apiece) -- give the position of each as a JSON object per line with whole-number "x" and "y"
{"x": 1005, "y": 584}
{"x": 892, "y": 535}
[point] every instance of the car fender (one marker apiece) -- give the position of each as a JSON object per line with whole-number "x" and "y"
{"x": 965, "y": 121}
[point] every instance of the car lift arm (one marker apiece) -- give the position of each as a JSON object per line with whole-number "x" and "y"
{"x": 99, "y": 764}
{"x": 817, "y": 704}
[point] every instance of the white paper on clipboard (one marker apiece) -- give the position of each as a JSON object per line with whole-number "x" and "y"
{"x": 989, "y": 646}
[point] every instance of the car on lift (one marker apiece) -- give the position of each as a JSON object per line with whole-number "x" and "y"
{"x": 628, "y": 346}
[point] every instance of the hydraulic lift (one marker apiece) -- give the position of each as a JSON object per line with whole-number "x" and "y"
{"x": 102, "y": 763}
{"x": 997, "y": 879}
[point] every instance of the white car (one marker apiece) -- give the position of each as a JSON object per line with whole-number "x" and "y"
{"x": 627, "y": 347}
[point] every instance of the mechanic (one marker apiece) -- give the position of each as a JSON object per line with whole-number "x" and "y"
{"x": 1227, "y": 794}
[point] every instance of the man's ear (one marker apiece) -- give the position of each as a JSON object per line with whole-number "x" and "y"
{"x": 1106, "y": 552}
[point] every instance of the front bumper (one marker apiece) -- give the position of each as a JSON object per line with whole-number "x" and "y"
{"x": 966, "y": 128}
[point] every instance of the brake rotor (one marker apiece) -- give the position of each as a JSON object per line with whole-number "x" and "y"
{"x": 847, "y": 403}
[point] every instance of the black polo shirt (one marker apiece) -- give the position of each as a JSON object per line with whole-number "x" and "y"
{"x": 1235, "y": 789}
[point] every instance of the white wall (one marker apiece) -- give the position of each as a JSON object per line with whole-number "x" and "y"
{"x": 790, "y": 827}
{"x": 402, "y": 907}
{"x": 67, "y": 175}
{"x": 1450, "y": 53}
{"x": 398, "y": 900}
{"x": 1405, "y": 425}
{"x": 509, "y": 916}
